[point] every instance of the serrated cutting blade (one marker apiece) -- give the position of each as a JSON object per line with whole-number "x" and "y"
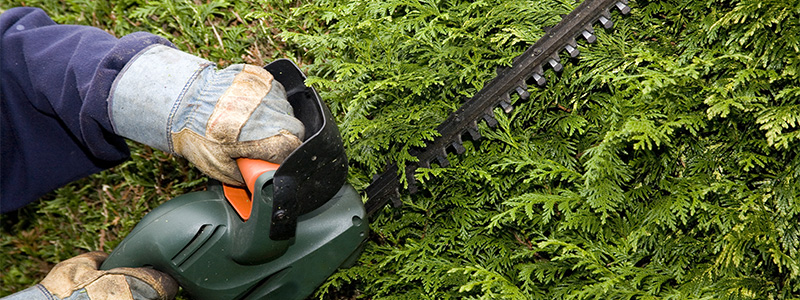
{"x": 528, "y": 67}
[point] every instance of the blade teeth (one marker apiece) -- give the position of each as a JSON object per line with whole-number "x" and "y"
{"x": 539, "y": 79}
{"x": 412, "y": 182}
{"x": 606, "y": 22}
{"x": 458, "y": 140}
{"x": 505, "y": 101}
{"x": 624, "y": 9}
{"x": 523, "y": 94}
{"x": 473, "y": 132}
{"x": 458, "y": 145}
{"x": 459, "y": 148}
{"x": 507, "y": 107}
{"x": 573, "y": 52}
{"x": 555, "y": 65}
{"x": 443, "y": 161}
{"x": 425, "y": 164}
{"x": 442, "y": 158}
{"x": 396, "y": 202}
{"x": 489, "y": 118}
{"x": 590, "y": 37}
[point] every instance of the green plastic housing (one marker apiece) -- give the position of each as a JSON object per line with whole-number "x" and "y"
{"x": 199, "y": 240}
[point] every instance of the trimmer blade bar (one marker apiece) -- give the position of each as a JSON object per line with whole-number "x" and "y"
{"x": 526, "y": 68}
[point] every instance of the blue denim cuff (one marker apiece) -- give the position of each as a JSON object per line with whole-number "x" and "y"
{"x": 36, "y": 292}
{"x": 149, "y": 91}
{"x": 39, "y": 292}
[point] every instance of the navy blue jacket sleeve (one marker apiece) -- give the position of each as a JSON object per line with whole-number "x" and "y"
{"x": 54, "y": 84}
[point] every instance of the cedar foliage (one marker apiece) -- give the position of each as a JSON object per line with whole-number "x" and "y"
{"x": 663, "y": 164}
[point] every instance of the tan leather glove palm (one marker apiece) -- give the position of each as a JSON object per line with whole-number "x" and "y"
{"x": 80, "y": 274}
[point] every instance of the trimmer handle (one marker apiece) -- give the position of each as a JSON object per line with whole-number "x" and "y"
{"x": 241, "y": 198}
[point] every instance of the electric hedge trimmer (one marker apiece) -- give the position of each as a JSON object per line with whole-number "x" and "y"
{"x": 295, "y": 224}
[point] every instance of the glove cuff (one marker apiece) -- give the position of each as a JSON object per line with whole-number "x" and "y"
{"x": 36, "y": 292}
{"x": 149, "y": 91}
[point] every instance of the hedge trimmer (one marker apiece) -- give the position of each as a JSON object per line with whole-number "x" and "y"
{"x": 296, "y": 223}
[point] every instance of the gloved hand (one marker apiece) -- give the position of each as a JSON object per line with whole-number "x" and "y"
{"x": 180, "y": 103}
{"x": 78, "y": 279}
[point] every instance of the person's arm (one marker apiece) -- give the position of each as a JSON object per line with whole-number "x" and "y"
{"x": 54, "y": 83}
{"x": 71, "y": 93}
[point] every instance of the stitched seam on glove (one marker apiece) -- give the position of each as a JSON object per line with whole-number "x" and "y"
{"x": 176, "y": 106}
{"x": 45, "y": 292}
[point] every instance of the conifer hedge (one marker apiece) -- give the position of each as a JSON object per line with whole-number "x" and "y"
{"x": 663, "y": 163}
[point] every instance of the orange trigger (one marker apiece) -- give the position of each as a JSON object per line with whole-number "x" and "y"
{"x": 241, "y": 198}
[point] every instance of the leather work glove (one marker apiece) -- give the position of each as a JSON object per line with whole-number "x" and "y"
{"x": 78, "y": 279}
{"x": 182, "y": 104}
